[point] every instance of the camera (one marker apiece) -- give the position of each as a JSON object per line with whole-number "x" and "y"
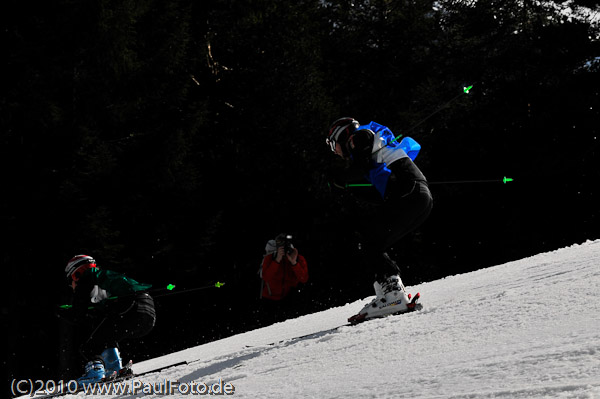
{"x": 285, "y": 241}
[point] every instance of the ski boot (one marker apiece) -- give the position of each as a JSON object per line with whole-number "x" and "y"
{"x": 114, "y": 364}
{"x": 390, "y": 298}
{"x": 94, "y": 372}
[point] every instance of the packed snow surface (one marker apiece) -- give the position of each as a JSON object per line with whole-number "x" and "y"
{"x": 524, "y": 329}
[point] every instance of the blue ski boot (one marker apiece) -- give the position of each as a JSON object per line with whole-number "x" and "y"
{"x": 94, "y": 372}
{"x": 112, "y": 362}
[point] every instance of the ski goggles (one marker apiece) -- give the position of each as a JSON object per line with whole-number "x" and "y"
{"x": 333, "y": 137}
{"x": 336, "y": 132}
{"x": 331, "y": 143}
{"x": 76, "y": 275}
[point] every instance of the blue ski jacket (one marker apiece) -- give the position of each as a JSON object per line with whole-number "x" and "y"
{"x": 382, "y": 159}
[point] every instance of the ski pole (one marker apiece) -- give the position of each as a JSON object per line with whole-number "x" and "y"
{"x": 81, "y": 352}
{"x": 465, "y": 90}
{"x": 503, "y": 180}
{"x": 158, "y": 292}
{"x": 170, "y": 288}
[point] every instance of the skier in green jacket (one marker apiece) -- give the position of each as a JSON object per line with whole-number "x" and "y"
{"x": 120, "y": 307}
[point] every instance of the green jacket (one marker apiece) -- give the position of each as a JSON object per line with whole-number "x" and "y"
{"x": 118, "y": 284}
{"x": 106, "y": 291}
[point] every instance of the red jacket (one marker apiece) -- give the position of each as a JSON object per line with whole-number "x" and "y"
{"x": 280, "y": 278}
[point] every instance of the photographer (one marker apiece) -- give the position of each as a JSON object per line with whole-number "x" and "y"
{"x": 282, "y": 268}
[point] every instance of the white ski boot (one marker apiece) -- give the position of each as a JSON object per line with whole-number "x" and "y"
{"x": 390, "y": 298}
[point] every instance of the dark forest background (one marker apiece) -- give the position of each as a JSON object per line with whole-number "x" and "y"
{"x": 171, "y": 140}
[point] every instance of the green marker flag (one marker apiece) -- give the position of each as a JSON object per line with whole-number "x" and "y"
{"x": 170, "y": 287}
{"x": 467, "y": 89}
{"x": 506, "y": 179}
{"x": 219, "y": 285}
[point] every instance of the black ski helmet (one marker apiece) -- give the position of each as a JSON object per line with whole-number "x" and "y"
{"x": 340, "y": 131}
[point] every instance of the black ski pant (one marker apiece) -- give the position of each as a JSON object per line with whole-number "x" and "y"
{"x": 137, "y": 321}
{"x": 400, "y": 214}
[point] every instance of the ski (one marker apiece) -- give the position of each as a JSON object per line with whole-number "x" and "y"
{"x": 362, "y": 317}
{"x": 161, "y": 368}
{"x": 124, "y": 374}
{"x": 411, "y": 306}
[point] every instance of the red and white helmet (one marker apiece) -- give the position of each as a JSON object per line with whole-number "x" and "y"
{"x": 340, "y": 131}
{"x": 78, "y": 264}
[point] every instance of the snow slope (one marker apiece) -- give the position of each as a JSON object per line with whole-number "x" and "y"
{"x": 524, "y": 329}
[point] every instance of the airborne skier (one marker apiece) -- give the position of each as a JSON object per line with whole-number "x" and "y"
{"x": 373, "y": 153}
